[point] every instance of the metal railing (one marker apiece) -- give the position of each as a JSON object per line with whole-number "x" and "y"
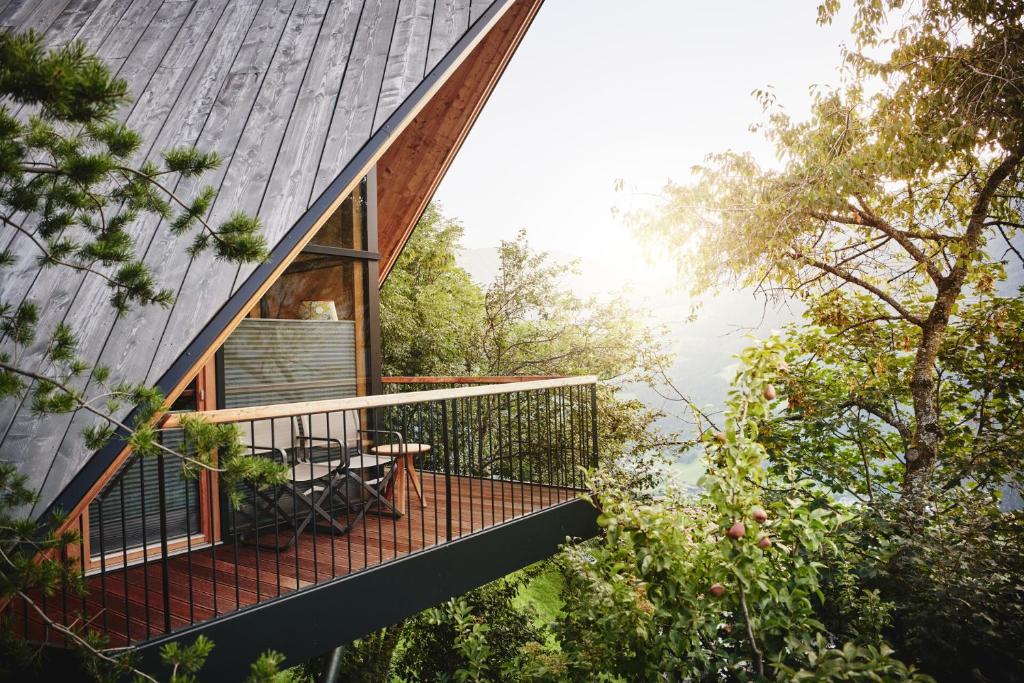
{"x": 370, "y": 480}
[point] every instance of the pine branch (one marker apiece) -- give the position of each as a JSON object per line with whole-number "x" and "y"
{"x": 81, "y": 267}
{"x": 177, "y": 200}
{"x": 110, "y": 419}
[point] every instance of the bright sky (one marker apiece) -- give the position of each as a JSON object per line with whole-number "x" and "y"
{"x": 639, "y": 90}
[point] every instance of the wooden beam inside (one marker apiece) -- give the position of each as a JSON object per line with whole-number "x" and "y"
{"x": 411, "y": 169}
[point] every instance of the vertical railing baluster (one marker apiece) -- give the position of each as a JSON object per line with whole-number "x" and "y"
{"x": 81, "y": 566}
{"x": 562, "y": 443}
{"x": 547, "y": 441}
{"x": 103, "y": 567}
{"x": 508, "y": 453}
{"x": 435, "y": 460}
{"x": 294, "y": 490}
{"x": 593, "y": 424}
{"x": 165, "y": 579}
{"x": 277, "y": 532}
{"x": 145, "y": 542}
{"x": 213, "y": 544}
{"x": 519, "y": 450}
{"x": 529, "y": 445}
{"x": 419, "y": 474}
{"x": 471, "y": 439}
{"x": 584, "y": 433}
{"x": 572, "y": 439}
{"x": 124, "y": 563}
{"x": 493, "y": 430}
{"x": 346, "y": 459}
{"x": 256, "y": 537}
{"x": 233, "y": 514}
{"x": 188, "y": 544}
{"x": 64, "y": 591}
{"x": 330, "y": 491}
{"x": 447, "y": 472}
{"x": 410, "y": 489}
{"x": 365, "y": 502}
{"x": 580, "y": 409}
{"x": 556, "y": 454}
{"x": 312, "y": 505}
{"x": 380, "y": 513}
{"x": 563, "y": 476}
{"x": 394, "y": 518}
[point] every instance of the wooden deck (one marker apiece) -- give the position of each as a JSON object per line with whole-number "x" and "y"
{"x": 128, "y": 605}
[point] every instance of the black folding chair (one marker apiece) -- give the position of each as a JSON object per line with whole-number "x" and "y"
{"x": 311, "y": 483}
{"x": 322, "y": 437}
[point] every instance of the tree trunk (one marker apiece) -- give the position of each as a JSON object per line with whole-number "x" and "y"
{"x": 923, "y": 450}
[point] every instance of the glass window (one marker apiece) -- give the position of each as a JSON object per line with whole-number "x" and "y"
{"x": 346, "y": 227}
{"x": 317, "y": 287}
{"x": 307, "y": 339}
{"x": 135, "y": 491}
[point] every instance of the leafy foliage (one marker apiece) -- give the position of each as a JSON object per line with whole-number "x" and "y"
{"x": 949, "y": 578}
{"x": 722, "y": 587}
{"x": 473, "y": 638}
{"x": 436, "y": 321}
{"x": 430, "y": 308}
{"x": 883, "y": 206}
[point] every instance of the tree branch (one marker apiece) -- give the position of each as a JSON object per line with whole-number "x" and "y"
{"x": 889, "y": 418}
{"x": 854, "y": 280}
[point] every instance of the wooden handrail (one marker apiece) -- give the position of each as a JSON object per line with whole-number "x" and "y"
{"x": 363, "y": 402}
{"x": 487, "y": 379}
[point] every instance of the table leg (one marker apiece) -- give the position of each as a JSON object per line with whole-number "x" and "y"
{"x": 414, "y": 477}
{"x": 401, "y": 491}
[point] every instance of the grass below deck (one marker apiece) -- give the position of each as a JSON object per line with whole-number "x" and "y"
{"x": 543, "y": 594}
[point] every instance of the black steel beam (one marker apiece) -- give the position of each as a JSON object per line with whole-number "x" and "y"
{"x": 315, "y": 620}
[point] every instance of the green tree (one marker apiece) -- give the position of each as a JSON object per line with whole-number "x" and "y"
{"x": 883, "y": 204}
{"x": 474, "y": 637}
{"x": 723, "y": 586}
{"x": 430, "y": 307}
{"x": 892, "y": 215}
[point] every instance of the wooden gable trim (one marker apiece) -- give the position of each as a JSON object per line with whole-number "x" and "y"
{"x": 90, "y": 479}
{"x": 411, "y": 169}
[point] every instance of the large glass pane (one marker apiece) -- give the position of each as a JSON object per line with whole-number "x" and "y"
{"x": 346, "y": 227}
{"x": 316, "y": 287}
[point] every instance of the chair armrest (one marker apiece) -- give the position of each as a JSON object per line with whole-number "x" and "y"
{"x": 398, "y": 435}
{"x": 328, "y": 439}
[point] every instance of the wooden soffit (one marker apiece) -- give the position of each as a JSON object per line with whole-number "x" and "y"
{"x": 411, "y": 169}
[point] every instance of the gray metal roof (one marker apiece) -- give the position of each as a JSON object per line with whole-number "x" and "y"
{"x": 288, "y": 92}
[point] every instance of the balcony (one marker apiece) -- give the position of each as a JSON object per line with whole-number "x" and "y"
{"x": 395, "y": 503}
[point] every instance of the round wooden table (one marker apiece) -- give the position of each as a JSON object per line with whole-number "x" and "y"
{"x": 405, "y": 470}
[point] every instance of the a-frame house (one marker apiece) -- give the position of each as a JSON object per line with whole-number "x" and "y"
{"x": 336, "y": 120}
